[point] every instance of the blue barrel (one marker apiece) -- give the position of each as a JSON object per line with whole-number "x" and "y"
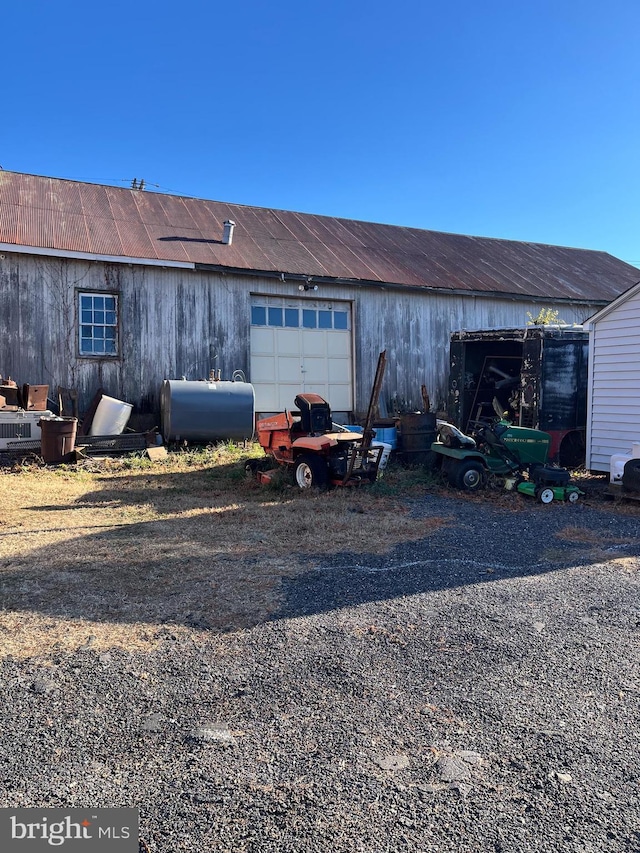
{"x": 386, "y": 432}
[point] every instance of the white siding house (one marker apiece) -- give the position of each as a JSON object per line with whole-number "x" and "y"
{"x": 613, "y": 403}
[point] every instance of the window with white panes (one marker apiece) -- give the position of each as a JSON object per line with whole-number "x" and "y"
{"x": 98, "y": 324}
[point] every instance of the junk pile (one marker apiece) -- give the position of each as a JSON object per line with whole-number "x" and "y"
{"x": 497, "y": 451}
{"x": 102, "y": 430}
{"x": 21, "y": 410}
{"x": 29, "y": 425}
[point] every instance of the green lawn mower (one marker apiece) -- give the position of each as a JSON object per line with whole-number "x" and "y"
{"x": 500, "y": 452}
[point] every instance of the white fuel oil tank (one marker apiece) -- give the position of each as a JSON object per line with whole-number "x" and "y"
{"x": 205, "y": 411}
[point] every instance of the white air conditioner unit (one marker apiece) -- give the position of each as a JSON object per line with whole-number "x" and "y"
{"x": 21, "y": 427}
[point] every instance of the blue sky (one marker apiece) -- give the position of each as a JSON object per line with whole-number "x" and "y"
{"x": 499, "y": 118}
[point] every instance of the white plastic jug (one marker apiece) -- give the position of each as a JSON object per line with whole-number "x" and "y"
{"x": 386, "y": 452}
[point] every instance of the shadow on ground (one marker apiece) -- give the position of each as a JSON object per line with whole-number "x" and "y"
{"x": 210, "y": 565}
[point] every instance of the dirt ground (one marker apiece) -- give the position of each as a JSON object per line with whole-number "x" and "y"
{"x": 112, "y": 549}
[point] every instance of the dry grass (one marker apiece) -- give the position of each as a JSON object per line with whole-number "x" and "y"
{"x": 597, "y": 543}
{"x": 117, "y": 554}
{"x": 583, "y": 535}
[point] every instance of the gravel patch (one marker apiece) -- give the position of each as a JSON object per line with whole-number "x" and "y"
{"x": 473, "y": 691}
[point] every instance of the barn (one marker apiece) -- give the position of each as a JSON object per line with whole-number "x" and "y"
{"x": 121, "y": 288}
{"x": 613, "y": 402}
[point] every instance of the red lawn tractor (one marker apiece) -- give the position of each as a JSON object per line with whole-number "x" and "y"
{"x": 318, "y": 452}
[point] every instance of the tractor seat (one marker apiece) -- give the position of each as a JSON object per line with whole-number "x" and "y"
{"x": 451, "y": 436}
{"x": 315, "y": 414}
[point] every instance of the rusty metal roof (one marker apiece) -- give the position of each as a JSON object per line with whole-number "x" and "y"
{"x": 74, "y": 217}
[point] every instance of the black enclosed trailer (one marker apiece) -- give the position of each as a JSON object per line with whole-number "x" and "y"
{"x": 538, "y": 374}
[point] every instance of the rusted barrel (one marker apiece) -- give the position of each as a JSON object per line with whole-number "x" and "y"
{"x": 58, "y": 439}
{"x": 416, "y": 435}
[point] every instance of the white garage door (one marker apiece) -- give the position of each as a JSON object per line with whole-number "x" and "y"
{"x": 300, "y": 346}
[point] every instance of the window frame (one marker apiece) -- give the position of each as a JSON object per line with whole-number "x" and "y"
{"x": 102, "y": 325}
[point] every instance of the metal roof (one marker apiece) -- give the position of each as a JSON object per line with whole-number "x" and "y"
{"x": 72, "y": 217}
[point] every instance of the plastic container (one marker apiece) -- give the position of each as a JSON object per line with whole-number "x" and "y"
{"x": 386, "y": 453}
{"x": 111, "y": 417}
{"x": 58, "y": 439}
{"x": 387, "y": 434}
{"x": 616, "y": 466}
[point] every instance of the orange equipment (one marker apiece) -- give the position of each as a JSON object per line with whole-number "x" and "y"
{"x": 319, "y": 452}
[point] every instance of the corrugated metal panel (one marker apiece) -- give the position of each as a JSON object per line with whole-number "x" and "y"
{"x": 73, "y": 232}
{"x": 149, "y": 225}
{"x": 134, "y": 240}
{"x": 95, "y": 201}
{"x": 262, "y": 223}
{"x": 38, "y": 225}
{"x": 123, "y": 205}
{"x": 103, "y": 235}
{"x": 176, "y": 211}
{"x": 205, "y": 218}
{"x": 350, "y": 258}
{"x": 9, "y": 228}
{"x": 151, "y": 211}
{"x": 340, "y": 233}
{"x": 169, "y": 249}
{"x": 197, "y": 248}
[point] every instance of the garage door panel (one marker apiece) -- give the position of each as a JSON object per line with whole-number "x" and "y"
{"x": 320, "y": 388}
{"x": 314, "y": 343}
{"x": 286, "y": 396}
{"x": 339, "y": 344}
{"x": 288, "y": 342}
{"x": 288, "y": 369}
{"x": 315, "y": 370}
{"x": 340, "y": 398}
{"x": 339, "y": 370}
{"x": 263, "y": 369}
{"x": 262, "y": 341}
{"x": 266, "y": 397}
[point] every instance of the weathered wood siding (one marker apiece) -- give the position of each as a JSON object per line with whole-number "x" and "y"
{"x": 177, "y": 322}
{"x": 173, "y": 323}
{"x": 415, "y": 328}
{"x": 613, "y": 416}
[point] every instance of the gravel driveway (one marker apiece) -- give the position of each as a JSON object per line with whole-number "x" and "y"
{"x": 476, "y": 691}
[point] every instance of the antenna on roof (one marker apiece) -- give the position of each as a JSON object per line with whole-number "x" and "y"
{"x": 134, "y": 184}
